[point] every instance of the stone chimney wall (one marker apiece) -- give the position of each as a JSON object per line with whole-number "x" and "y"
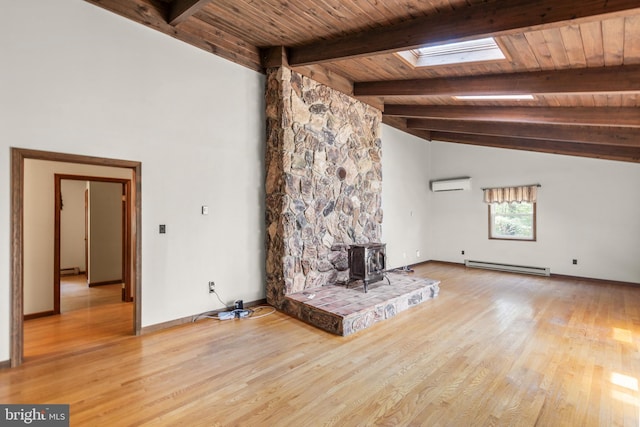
{"x": 323, "y": 182}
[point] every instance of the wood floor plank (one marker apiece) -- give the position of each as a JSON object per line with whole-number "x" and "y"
{"x": 492, "y": 349}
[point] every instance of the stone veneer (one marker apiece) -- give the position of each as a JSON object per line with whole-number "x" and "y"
{"x": 323, "y": 182}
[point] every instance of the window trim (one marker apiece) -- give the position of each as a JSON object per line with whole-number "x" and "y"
{"x": 535, "y": 226}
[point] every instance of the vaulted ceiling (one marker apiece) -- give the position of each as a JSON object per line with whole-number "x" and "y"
{"x": 579, "y": 59}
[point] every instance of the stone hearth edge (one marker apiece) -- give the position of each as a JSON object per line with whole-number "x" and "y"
{"x": 344, "y": 310}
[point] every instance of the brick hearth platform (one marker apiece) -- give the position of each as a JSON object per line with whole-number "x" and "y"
{"x": 343, "y": 310}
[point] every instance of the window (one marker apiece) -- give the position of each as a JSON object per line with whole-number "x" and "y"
{"x": 512, "y": 212}
{"x": 512, "y": 221}
{"x": 522, "y": 97}
{"x": 454, "y": 53}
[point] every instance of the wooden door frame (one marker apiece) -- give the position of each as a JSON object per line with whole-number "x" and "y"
{"x": 18, "y": 157}
{"x": 127, "y": 295}
{"x": 126, "y": 235}
{"x": 86, "y": 233}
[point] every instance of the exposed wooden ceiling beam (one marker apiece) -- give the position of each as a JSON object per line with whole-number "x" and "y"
{"x": 613, "y": 116}
{"x": 603, "y": 135}
{"x": 154, "y": 13}
{"x": 400, "y": 123}
{"x": 626, "y": 154}
{"x": 277, "y": 57}
{"x": 486, "y": 19}
{"x": 577, "y": 80}
{"x": 181, "y": 10}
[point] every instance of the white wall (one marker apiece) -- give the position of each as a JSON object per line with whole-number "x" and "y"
{"x": 78, "y": 79}
{"x": 72, "y": 224}
{"x": 406, "y": 198}
{"x": 588, "y": 209}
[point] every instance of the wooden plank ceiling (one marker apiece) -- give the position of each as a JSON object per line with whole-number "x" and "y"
{"x": 579, "y": 59}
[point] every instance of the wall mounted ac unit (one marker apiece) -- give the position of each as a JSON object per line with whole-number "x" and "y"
{"x": 458, "y": 184}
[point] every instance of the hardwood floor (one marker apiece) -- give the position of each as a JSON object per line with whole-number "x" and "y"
{"x": 90, "y": 317}
{"x": 492, "y": 349}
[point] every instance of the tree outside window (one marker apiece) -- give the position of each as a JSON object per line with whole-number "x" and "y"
{"x": 512, "y": 221}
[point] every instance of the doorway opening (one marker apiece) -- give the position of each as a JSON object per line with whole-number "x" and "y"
{"x": 97, "y": 241}
{"x": 132, "y": 268}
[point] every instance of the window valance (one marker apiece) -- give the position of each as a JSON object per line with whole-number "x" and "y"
{"x": 525, "y": 193}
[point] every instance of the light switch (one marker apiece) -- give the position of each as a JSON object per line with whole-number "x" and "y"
{"x": 205, "y": 210}
{"x": 163, "y": 229}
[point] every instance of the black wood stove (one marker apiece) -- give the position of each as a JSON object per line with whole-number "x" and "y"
{"x": 367, "y": 262}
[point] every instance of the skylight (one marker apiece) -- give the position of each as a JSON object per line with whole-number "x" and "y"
{"x": 454, "y": 53}
{"x": 494, "y": 97}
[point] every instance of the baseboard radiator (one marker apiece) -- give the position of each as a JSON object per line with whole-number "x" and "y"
{"x": 70, "y": 271}
{"x": 539, "y": 271}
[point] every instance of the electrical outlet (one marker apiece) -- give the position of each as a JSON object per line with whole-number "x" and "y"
{"x": 212, "y": 287}
{"x": 462, "y": 252}
{"x": 162, "y": 229}
{"x": 417, "y": 254}
{"x": 575, "y": 261}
